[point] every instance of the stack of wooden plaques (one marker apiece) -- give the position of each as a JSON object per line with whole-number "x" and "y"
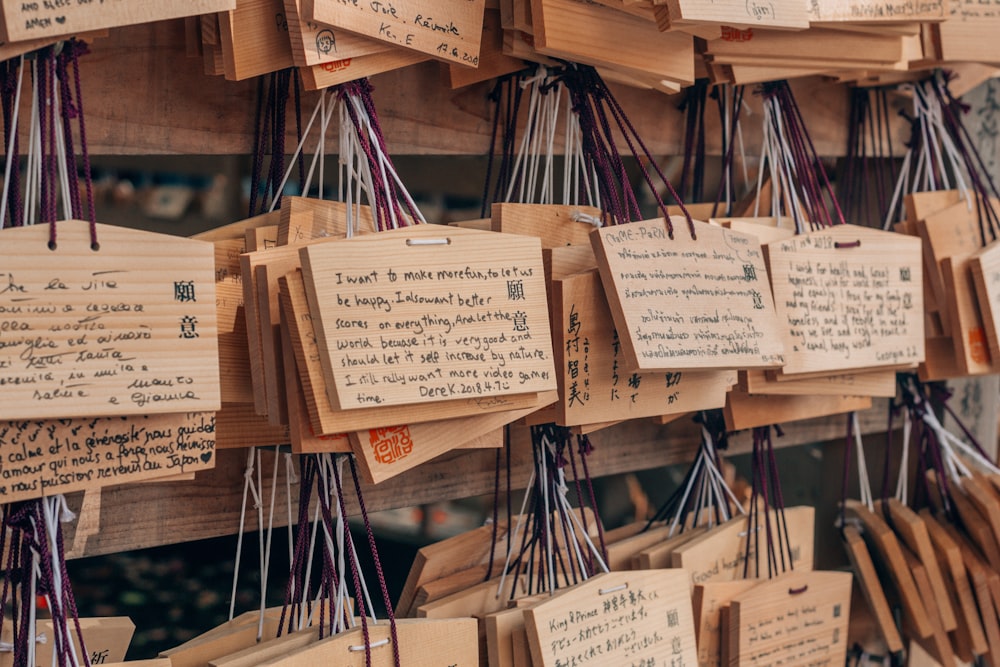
{"x": 397, "y": 364}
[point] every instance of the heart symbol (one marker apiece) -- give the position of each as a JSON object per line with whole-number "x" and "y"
{"x": 60, "y": 19}
{"x": 206, "y": 457}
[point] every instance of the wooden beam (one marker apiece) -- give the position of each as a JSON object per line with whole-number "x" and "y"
{"x": 174, "y": 108}
{"x": 140, "y": 516}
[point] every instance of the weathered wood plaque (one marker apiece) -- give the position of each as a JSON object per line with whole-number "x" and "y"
{"x": 454, "y": 313}
{"x": 796, "y": 619}
{"x": 449, "y": 31}
{"x": 876, "y": 11}
{"x": 720, "y": 554}
{"x": 46, "y": 457}
{"x": 985, "y": 266}
{"x": 789, "y": 14}
{"x": 31, "y": 20}
{"x": 620, "y": 618}
{"x": 683, "y": 303}
{"x": 848, "y": 297}
{"x": 126, "y": 329}
{"x": 594, "y": 384}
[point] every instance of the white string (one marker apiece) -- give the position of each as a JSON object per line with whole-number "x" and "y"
{"x": 61, "y": 154}
{"x": 266, "y": 567}
{"x": 902, "y": 482}
{"x": 10, "y": 145}
{"x": 33, "y": 170}
{"x": 511, "y": 535}
{"x": 247, "y": 483}
{"x": 863, "y": 481}
{"x": 298, "y": 149}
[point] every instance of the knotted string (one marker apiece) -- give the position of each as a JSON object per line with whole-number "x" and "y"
{"x": 797, "y": 173}
{"x": 596, "y": 108}
{"x": 767, "y": 496}
{"x": 36, "y": 566}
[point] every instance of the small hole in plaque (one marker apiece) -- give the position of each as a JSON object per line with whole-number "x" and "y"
{"x": 52, "y": 245}
{"x": 95, "y": 246}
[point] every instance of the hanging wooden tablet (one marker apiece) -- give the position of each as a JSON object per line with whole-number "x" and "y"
{"x": 848, "y": 297}
{"x": 254, "y": 39}
{"x": 594, "y": 35}
{"x": 708, "y": 601}
{"x": 985, "y": 267}
{"x": 938, "y": 644}
{"x": 781, "y": 14}
{"x": 890, "y": 554}
{"x": 981, "y": 577}
{"x": 383, "y": 453}
{"x": 659, "y": 556}
{"x": 229, "y": 637}
{"x": 268, "y": 649}
{"x": 500, "y": 629}
{"x": 968, "y": 331}
{"x": 594, "y": 385}
{"x": 488, "y": 335}
{"x": 301, "y": 434}
{"x": 744, "y": 410}
{"x": 237, "y": 426}
{"x": 443, "y": 30}
{"x": 866, "y": 383}
{"x": 869, "y": 12}
{"x": 327, "y": 420}
{"x": 326, "y": 75}
{"x": 126, "y": 329}
{"x": 947, "y": 232}
{"x": 683, "y": 303}
{"x": 867, "y": 577}
{"x": 720, "y": 554}
{"x": 949, "y": 555}
{"x": 910, "y": 528}
{"x": 556, "y": 225}
{"x": 421, "y": 643}
{"x": 106, "y": 638}
{"x": 492, "y": 60}
{"x": 32, "y": 20}
{"x": 797, "y": 618}
{"x": 302, "y": 219}
{"x": 315, "y": 44}
{"x": 615, "y": 619}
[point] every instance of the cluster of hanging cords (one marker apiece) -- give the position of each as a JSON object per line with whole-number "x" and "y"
{"x": 592, "y": 103}
{"x": 727, "y": 184}
{"x": 269, "y": 137}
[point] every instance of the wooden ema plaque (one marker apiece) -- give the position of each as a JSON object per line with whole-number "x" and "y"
{"x": 453, "y": 642}
{"x": 798, "y": 618}
{"x": 327, "y": 420}
{"x": 875, "y": 11}
{"x": 46, "y": 457}
{"x": 720, "y": 554}
{"x": 127, "y": 329}
{"x": 688, "y": 304}
{"x": 457, "y": 313}
{"x": 588, "y": 33}
{"x": 788, "y": 14}
{"x": 593, "y": 383}
{"x": 32, "y": 20}
{"x": 985, "y": 267}
{"x": 620, "y": 618}
{"x": 709, "y": 600}
{"x": 316, "y": 44}
{"x": 445, "y": 30}
{"x": 848, "y": 297}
